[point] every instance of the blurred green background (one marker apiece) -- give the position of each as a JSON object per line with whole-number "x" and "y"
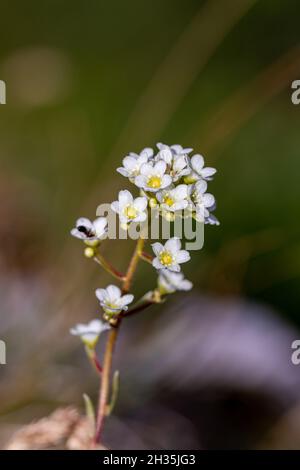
{"x": 88, "y": 82}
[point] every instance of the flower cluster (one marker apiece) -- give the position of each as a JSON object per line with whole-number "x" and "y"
{"x": 173, "y": 181}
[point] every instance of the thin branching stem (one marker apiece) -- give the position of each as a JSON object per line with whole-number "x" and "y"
{"x": 99, "y": 258}
{"x": 110, "y": 345}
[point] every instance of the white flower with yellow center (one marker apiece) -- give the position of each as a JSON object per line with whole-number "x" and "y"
{"x": 90, "y": 332}
{"x": 169, "y": 282}
{"x": 132, "y": 163}
{"x": 203, "y": 201}
{"x": 170, "y": 255}
{"x": 174, "y": 199}
{"x": 112, "y": 301}
{"x": 89, "y": 231}
{"x": 129, "y": 209}
{"x": 199, "y": 171}
{"x": 153, "y": 177}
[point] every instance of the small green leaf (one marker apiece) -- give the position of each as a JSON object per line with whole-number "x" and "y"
{"x": 89, "y": 411}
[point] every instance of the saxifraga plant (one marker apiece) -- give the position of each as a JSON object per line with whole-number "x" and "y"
{"x": 174, "y": 183}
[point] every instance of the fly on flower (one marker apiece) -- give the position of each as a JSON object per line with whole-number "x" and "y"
{"x": 90, "y": 231}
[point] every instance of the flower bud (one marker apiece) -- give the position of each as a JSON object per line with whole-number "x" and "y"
{"x": 152, "y": 202}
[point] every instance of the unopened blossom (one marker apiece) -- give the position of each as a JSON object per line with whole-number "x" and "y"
{"x": 202, "y": 200}
{"x": 169, "y": 282}
{"x": 130, "y": 209}
{"x": 153, "y": 177}
{"x": 175, "y": 199}
{"x": 133, "y": 162}
{"x": 112, "y": 301}
{"x": 198, "y": 169}
{"x": 88, "y": 231}
{"x": 170, "y": 255}
{"x": 89, "y": 333}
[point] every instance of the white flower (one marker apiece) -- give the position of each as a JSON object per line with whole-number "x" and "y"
{"x": 202, "y": 200}
{"x": 133, "y": 162}
{"x": 89, "y": 333}
{"x": 112, "y": 301}
{"x": 153, "y": 177}
{"x": 170, "y": 255}
{"x": 129, "y": 209}
{"x": 179, "y": 150}
{"x": 169, "y": 282}
{"x": 197, "y": 164}
{"x": 88, "y": 231}
{"x": 174, "y": 199}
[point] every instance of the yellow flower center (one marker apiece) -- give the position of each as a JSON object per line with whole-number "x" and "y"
{"x": 168, "y": 200}
{"x": 154, "y": 182}
{"x": 166, "y": 258}
{"x": 130, "y": 212}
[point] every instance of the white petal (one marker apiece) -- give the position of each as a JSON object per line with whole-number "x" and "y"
{"x": 129, "y": 163}
{"x": 123, "y": 172}
{"x": 166, "y": 181}
{"x": 101, "y": 294}
{"x": 157, "y": 248}
{"x": 186, "y": 285}
{"x": 100, "y": 225}
{"x": 197, "y": 162}
{"x": 141, "y": 217}
{"x": 201, "y": 186}
{"x": 179, "y": 206}
{"x": 208, "y": 200}
{"x": 115, "y": 206}
{"x": 208, "y": 171}
{"x": 114, "y": 292}
{"x": 166, "y": 155}
{"x": 125, "y": 198}
{"x": 140, "y": 203}
{"x": 181, "y": 191}
{"x": 157, "y": 264}
{"x": 148, "y": 152}
{"x": 175, "y": 268}
{"x": 140, "y": 181}
{"x": 183, "y": 256}
{"x": 146, "y": 169}
{"x": 160, "y": 168}
{"x": 75, "y": 233}
{"x": 173, "y": 245}
{"x": 126, "y": 299}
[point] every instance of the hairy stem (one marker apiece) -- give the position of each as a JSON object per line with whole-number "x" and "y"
{"x": 105, "y": 382}
{"x": 112, "y": 337}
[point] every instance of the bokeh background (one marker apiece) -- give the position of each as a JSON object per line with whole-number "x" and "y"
{"x": 87, "y": 82}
